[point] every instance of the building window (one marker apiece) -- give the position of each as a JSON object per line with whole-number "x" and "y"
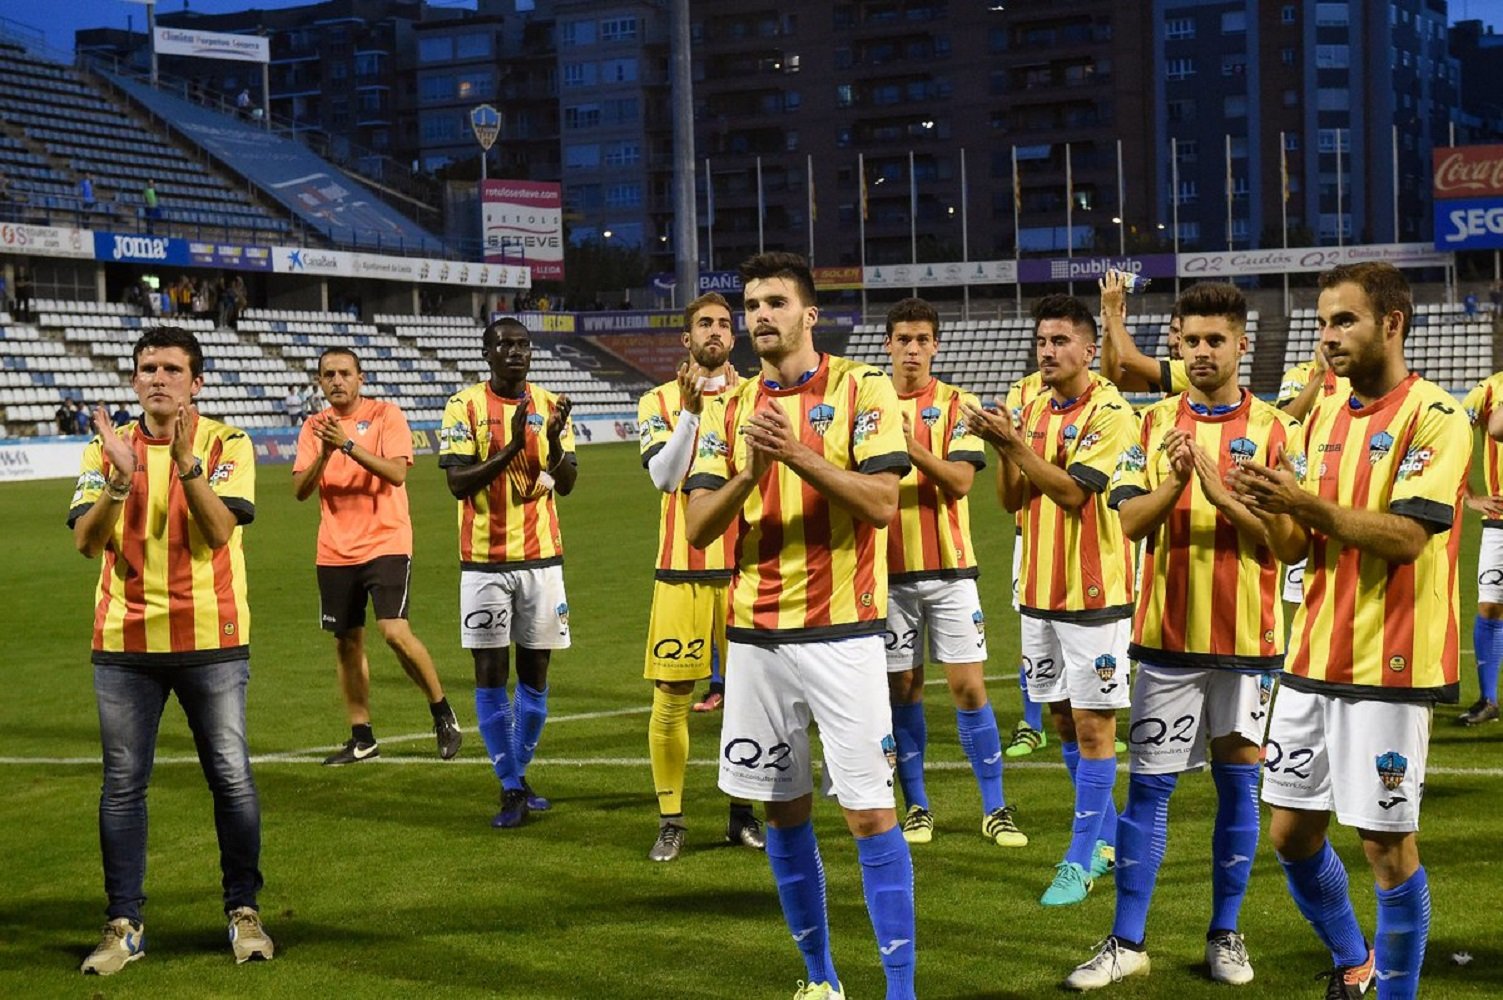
{"x": 1288, "y": 14}
{"x": 619, "y": 71}
{"x": 623, "y": 195}
{"x": 472, "y": 46}
{"x": 1234, "y": 64}
{"x": 1333, "y": 99}
{"x": 579, "y": 74}
{"x": 572, "y": 33}
{"x": 623, "y": 154}
{"x": 1234, "y": 106}
{"x": 582, "y": 156}
{"x": 1234, "y": 22}
{"x": 843, "y": 96}
{"x": 1286, "y": 56}
{"x": 1189, "y": 192}
{"x": 1291, "y": 98}
{"x": 582, "y": 116}
{"x": 1189, "y": 150}
{"x": 1337, "y": 56}
{"x": 435, "y": 49}
{"x": 436, "y": 88}
{"x": 1182, "y": 110}
{"x": 475, "y": 86}
{"x": 1179, "y": 27}
{"x": 1332, "y": 15}
{"x": 1179, "y": 69}
{"x": 618, "y": 29}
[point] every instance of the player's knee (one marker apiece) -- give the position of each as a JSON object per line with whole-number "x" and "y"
{"x": 490, "y": 667}
{"x": 675, "y": 687}
{"x": 1392, "y": 856}
{"x": 1297, "y": 834}
{"x": 1234, "y": 749}
{"x": 1490, "y": 611}
{"x": 870, "y": 822}
{"x": 349, "y": 644}
{"x": 967, "y": 688}
{"x": 905, "y": 687}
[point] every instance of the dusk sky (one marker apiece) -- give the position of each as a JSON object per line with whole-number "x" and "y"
{"x": 60, "y": 19}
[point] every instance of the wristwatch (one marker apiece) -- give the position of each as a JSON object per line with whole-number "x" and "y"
{"x": 348, "y": 447}
{"x": 193, "y": 473}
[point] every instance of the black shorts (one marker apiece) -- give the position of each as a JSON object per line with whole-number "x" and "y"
{"x": 342, "y": 592}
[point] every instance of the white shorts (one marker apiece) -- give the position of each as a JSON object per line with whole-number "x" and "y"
{"x": 527, "y": 605}
{"x": 948, "y": 611}
{"x": 1082, "y": 663}
{"x": 773, "y": 696}
{"x": 1176, "y": 711}
{"x": 1364, "y": 759}
{"x": 1490, "y": 567}
{"x": 1294, "y": 582}
{"x": 1017, "y": 565}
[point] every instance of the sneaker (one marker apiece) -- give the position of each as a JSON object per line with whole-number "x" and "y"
{"x": 446, "y": 728}
{"x": 535, "y": 802}
{"x": 711, "y": 703}
{"x": 670, "y": 842}
{"x": 122, "y": 942}
{"x": 1071, "y": 885}
{"x": 1103, "y": 859}
{"x": 352, "y": 752}
{"x": 1226, "y": 954}
{"x": 1483, "y": 711}
{"x": 817, "y": 991}
{"x": 1000, "y": 827}
{"x": 746, "y": 830}
{"x": 1112, "y": 963}
{"x": 247, "y": 937}
{"x": 1348, "y": 982}
{"x": 514, "y": 809}
{"x": 1025, "y": 740}
{"x": 918, "y": 825}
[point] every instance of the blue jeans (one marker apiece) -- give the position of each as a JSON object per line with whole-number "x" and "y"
{"x": 130, "y": 700}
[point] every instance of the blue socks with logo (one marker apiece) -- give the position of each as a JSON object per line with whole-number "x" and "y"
{"x": 1234, "y": 841}
{"x": 911, "y": 734}
{"x": 1108, "y": 830}
{"x": 1487, "y": 640}
{"x": 1319, "y": 887}
{"x": 1033, "y": 712}
{"x": 983, "y": 748}
{"x": 1142, "y": 836}
{"x": 493, "y": 716}
{"x": 887, "y": 880}
{"x": 799, "y": 874}
{"x": 1403, "y": 927}
{"x": 532, "y": 712}
{"x": 1093, "y": 797}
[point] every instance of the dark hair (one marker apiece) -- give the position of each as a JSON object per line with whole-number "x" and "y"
{"x": 776, "y": 264}
{"x": 707, "y": 299}
{"x": 1065, "y": 307}
{"x": 913, "y": 311}
{"x": 1213, "y": 299}
{"x": 493, "y": 330}
{"x": 1386, "y": 288}
{"x": 340, "y": 350}
{"x": 169, "y": 336}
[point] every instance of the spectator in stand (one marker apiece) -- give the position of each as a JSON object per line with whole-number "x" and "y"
{"x": 153, "y": 207}
{"x": 243, "y": 104}
{"x": 1469, "y": 304}
{"x": 1495, "y": 296}
{"x": 63, "y": 416}
{"x": 23, "y": 292}
{"x": 82, "y": 423}
{"x": 121, "y": 416}
{"x": 86, "y": 192}
{"x": 292, "y": 403}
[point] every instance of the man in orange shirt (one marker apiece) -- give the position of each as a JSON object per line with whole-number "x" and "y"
{"x": 356, "y": 454}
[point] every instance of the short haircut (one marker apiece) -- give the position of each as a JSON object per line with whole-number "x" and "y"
{"x": 169, "y": 336}
{"x": 777, "y": 264}
{"x": 1214, "y": 299}
{"x": 1065, "y": 307}
{"x": 348, "y": 352}
{"x": 494, "y": 328}
{"x": 913, "y": 311}
{"x": 1386, "y": 288}
{"x": 691, "y": 311}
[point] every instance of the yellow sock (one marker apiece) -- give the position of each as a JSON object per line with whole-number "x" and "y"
{"x": 668, "y": 748}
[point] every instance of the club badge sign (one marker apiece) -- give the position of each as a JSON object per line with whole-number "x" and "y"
{"x": 486, "y": 123}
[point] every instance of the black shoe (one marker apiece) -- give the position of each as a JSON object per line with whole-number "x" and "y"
{"x": 353, "y": 752}
{"x": 535, "y": 802}
{"x": 746, "y": 830}
{"x": 446, "y": 728}
{"x": 1483, "y": 711}
{"x": 513, "y": 809}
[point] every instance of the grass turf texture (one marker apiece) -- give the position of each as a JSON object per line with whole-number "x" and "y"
{"x": 388, "y": 881}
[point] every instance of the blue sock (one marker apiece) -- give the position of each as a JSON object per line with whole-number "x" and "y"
{"x": 1093, "y": 796}
{"x": 1071, "y": 754}
{"x": 1234, "y": 840}
{"x": 717, "y": 679}
{"x": 793, "y": 854}
{"x": 887, "y": 879}
{"x": 532, "y": 712}
{"x": 1487, "y": 641}
{"x": 1108, "y": 831}
{"x": 1033, "y": 712}
{"x": 1143, "y": 833}
{"x": 1318, "y": 885}
{"x": 983, "y": 748}
{"x": 493, "y": 716}
{"x": 1403, "y": 928}
{"x": 911, "y": 733}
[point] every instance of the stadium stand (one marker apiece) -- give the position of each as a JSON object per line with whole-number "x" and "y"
{"x": 56, "y": 128}
{"x": 1445, "y": 344}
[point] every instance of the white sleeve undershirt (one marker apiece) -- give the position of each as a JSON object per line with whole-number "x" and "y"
{"x": 671, "y": 464}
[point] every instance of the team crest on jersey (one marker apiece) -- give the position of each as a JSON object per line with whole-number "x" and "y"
{"x": 868, "y": 423}
{"x": 221, "y": 473}
{"x": 890, "y": 750}
{"x": 929, "y": 415}
{"x": 1106, "y": 666}
{"x": 1070, "y": 433}
{"x": 91, "y": 481}
{"x": 1392, "y": 766}
{"x": 712, "y": 445}
{"x": 820, "y": 418}
{"x": 362, "y": 426}
{"x": 1415, "y": 462}
{"x": 1378, "y": 447}
{"x": 1242, "y": 450}
{"x": 534, "y": 422}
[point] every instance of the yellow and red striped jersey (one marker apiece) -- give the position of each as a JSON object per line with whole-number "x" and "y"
{"x": 1077, "y": 564}
{"x": 806, "y": 569}
{"x": 1479, "y": 405}
{"x": 930, "y": 539}
{"x": 513, "y": 520}
{"x": 1023, "y": 391}
{"x": 1210, "y": 594}
{"x": 1370, "y": 628}
{"x": 162, "y": 590}
{"x": 657, "y": 416}
{"x": 1295, "y": 379}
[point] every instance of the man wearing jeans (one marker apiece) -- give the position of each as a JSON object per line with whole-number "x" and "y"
{"x": 163, "y": 500}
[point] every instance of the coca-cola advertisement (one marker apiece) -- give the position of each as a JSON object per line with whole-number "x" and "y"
{"x": 1469, "y": 198}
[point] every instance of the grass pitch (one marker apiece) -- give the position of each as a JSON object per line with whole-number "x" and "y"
{"x": 386, "y": 880}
